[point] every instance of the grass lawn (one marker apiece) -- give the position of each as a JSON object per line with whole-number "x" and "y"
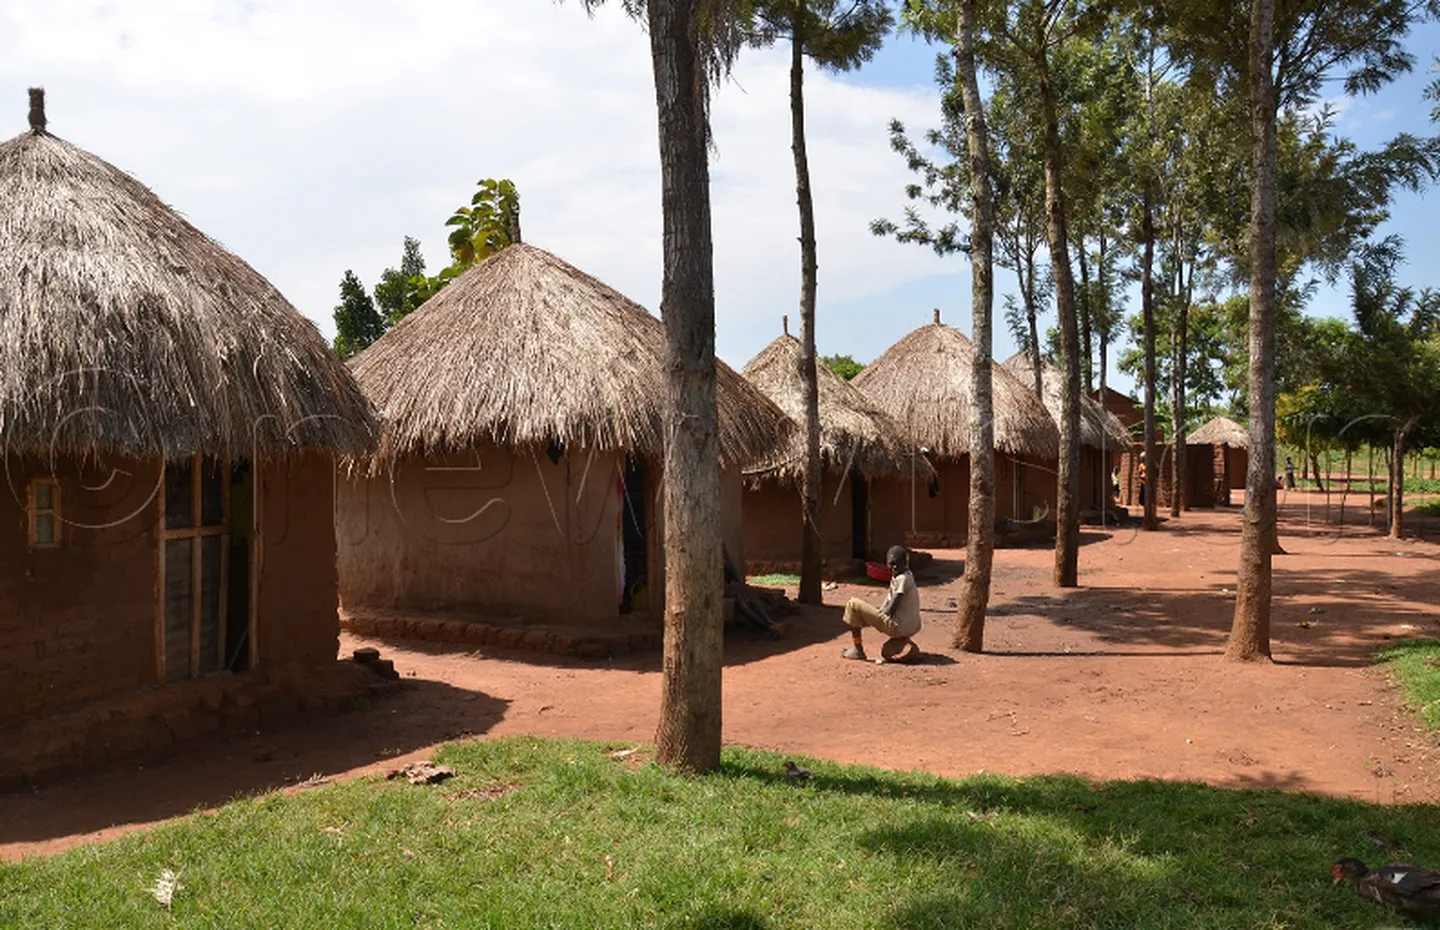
{"x": 1415, "y": 663}
{"x": 535, "y": 833}
{"x": 774, "y": 580}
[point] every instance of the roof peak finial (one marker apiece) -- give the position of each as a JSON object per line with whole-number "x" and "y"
{"x": 37, "y": 109}
{"x": 785, "y": 323}
{"x": 937, "y": 315}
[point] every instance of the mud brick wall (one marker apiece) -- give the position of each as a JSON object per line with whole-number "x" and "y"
{"x": 299, "y": 590}
{"x": 77, "y": 621}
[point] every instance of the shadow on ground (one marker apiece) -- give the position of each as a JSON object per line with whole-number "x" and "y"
{"x": 1064, "y": 851}
{"x": 213, "y": 769}
{"x": 808, "y": 624}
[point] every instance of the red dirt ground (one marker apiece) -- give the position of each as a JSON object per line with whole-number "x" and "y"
{"x": 1120, "y": 678}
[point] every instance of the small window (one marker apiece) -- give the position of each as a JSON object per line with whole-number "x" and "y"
{"x": 44, "y": 513}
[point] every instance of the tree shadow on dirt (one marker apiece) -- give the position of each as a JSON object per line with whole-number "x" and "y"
{"x": 210, "y": 770}
{"x": 1320, "y": 616}
{"x": 804, "y": 626}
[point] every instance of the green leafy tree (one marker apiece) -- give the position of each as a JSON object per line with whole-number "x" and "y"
{"x": 1279, "y": 58}
{"x": 843, "y": 365}
{"x": 488, "y": 224}
{"x": 401, "y": 290}
{"x": 357, "y": 322}
{"x": 836, "y": 36}
{"x": 1396, "y": 361}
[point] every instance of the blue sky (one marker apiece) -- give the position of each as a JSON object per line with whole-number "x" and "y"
{"x": 310, "y": 138}
{"x": 1370, "y": 121}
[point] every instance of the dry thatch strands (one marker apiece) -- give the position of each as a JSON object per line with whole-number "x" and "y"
{"x": 1221, "y": 431}
{"x": 854, "y": 431}
{"x": 1097, "y": 425}
{"x": 524, "y": 349}
{"x": 924, "y": 381}
{"x": 125, "y": 329}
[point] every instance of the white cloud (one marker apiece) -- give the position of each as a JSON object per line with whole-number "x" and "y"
{"x": 309, "y": 138}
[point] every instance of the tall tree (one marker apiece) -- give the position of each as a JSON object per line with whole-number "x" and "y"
{"x": 357, "y": 322}
{"x": 1017, "y": 171}
{"x": 1034, "y": 38}
{"x": 402, "y": 289}
{"x": 980, "y": 541}
{"x": 1250, "y": 630}
{"x": 1290, "y": 51}
{"x": 687, "y": 43}
{"x": 1395, "y": 362}
{"x": 1148, "y": 197}
{"x": 837, "y": 37}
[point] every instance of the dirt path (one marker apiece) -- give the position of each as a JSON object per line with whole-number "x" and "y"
{"x": 1121, "y": 678}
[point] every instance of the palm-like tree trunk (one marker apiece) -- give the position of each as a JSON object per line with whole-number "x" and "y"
{"x": 1087, "y": 318}
{"x": 980, "y": 541}
{"x": 1027, "y": 288}
{"x": 1067, "y": 516}
{"x": 810, "y": 552}
{"x": 1147, "y": 314}
{"x": 688, "y": 737}
{"x": 1250, "y": 631}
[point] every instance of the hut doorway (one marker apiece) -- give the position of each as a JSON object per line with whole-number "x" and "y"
{"x": 635, "y": 545}
{"x": 206, "y": 578}
{"x": 859, "y": 516}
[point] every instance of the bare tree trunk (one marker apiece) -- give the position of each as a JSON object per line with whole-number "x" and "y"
{"x": 1250, "y": 632}
{"x": 1397, "y": 479}
{"x": 1370, "y": 481}
{"x": 810, "y": 551}
{"x": 1031, "y": 314}
{"x": 1067, "y": 516}
{"x": 1087, "y": 347}
{"x": 980, "y": 541}
{"x": 688, "y": 737}
{"x": 1179, "y": 498}
{"x": 1151, "y": 483}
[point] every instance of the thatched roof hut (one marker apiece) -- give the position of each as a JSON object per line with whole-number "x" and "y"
{"x": 924, "y": 381}
{"x": 1221, "y": 431}
{"x": 160, "y": 402}
{"x": 525, "y": 348}
{"x": 855, "y": 434}
{"x": 1099, "y": 428}
{"x": 125, "y": 329}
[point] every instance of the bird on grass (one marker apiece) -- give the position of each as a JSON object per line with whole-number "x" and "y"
{"x": 1410, "y": 889}
{"x": 795, "y": 772}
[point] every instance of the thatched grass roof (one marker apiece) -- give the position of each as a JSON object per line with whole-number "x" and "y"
{"x": 854, "y": 431}
{"x": 1221, "y": 431}
{"x": 523, "y": 349}
{"x": 924, "y": 382}
{"x": 1098, "y": 426}
{"x": 125, "y": 329}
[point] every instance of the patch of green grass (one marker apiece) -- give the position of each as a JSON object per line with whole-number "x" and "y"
{"x": 1415, "y": 663}
{"x": 534, "y": 833}
{"x": 1380, "y": 485}
{"x": 775, "y": 580}
{"x": 1428, "y": 508}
